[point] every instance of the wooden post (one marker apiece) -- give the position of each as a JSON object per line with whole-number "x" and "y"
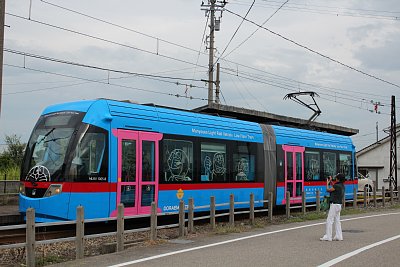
{"x": 383, "y": 196}
{"x": 181, "y": 218}
{"x": 153, "y": 222}
{"x": 30, "y": 238}
{"x": 191, "y": 216}
{"x": 303, "y": 202}
{"x": 398, "y": 193}
{"x": 391, "y": 195}
{"x": 318, "y": 201}
{"x": 120, "y": 227}
{"x": 231, "y": 210}
{"x": 80, "y": 232}
{"x": 287, "y": 204}
{"x": 365, "y": 197}
{"x": 344, "y": 200}
{"x": 355, "y": 197}
{"x": 212, "y": 212}
{"x": 270, "y": 206}
{"x": 252, "y": 220}
{"x": 374, "y": 192}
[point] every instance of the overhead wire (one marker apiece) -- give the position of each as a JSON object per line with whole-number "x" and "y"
{"x": 118, "y": 26}
{"x": 314, "y": 51}
{"x": 196, "y": 65}
{"x": 292, "y": 89}
{"x": 95, "y": 81}
{"x": 101, "y": 39}
{"x": 336, "y": 11}
{"x": 236, "y": 31}
{"x": 201, "y": 45}
{"x": 143, "y": 75}
{"x": 246, "y": 39}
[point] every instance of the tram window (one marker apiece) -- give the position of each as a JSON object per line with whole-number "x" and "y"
{"x": 89, "y": 158}
{"x": 244, "y": 162}
{"x": 345, "y": 165}
{"x": 213, "y": 162}
{"x": 148, "y": 164}
{"x": 329, "y": 160}
{"x": 128, "y": 168}
{"x": 177, "y": 161}
{"x": 312, "y": 165}
{"x": 280, "y": 164}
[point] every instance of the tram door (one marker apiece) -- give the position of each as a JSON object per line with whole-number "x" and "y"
{"x": 294, "y": 172}
{"x": 137, "y": 170}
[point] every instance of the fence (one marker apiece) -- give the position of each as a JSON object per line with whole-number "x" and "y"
{"x": 9, "y": 190}
{"x": 182, "y": 226}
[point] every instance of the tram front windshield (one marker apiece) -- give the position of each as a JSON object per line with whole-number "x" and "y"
{"x": 46, "y": 150}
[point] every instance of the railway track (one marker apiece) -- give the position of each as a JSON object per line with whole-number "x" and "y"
{"x": 17, "y": 236}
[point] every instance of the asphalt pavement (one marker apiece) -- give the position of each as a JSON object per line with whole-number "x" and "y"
{"x": 370, "y": 239}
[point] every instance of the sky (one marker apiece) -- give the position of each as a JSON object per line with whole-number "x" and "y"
{"x": 344, "y": 51}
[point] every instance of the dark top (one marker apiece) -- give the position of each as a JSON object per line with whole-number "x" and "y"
{"x": 337, "y": 195}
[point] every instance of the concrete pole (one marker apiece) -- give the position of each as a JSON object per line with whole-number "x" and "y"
{"x": 30, "y": 238}
{"x": 2, "y": 25}
{"x": 211, "y": 55}
{"x": 120, "y": 227}
{"x": 181, "y": 218}
{"x": 287, "y": 204}
{"x": 270, "y": 206}
{"x": 80, "y": 232}
{"x": 231, "y": 210}
{"x": 191, "y": 216}
{"x": 318, "y": 201}
{"x": 252, "y": 220}
{"x": 153, "y": 222}
{"x": 212, "y": 212}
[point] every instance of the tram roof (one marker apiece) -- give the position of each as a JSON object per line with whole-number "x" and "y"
{"x": 269, "y": 118}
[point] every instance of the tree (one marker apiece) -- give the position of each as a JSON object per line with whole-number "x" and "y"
{"x": 14, "y": 152}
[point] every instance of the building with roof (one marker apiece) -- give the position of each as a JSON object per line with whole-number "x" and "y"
{"x": 373, "y": 161}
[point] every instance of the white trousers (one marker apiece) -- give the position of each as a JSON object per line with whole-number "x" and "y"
{"x": 334, "y": 217}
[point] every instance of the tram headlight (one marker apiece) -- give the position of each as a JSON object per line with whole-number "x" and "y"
{"x": 53, "y": 190}
{"x": 22, "y": 188}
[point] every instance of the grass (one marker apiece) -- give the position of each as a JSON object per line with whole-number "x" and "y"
{"x": 12, "y": 173}
{"x": 50, "y": 259}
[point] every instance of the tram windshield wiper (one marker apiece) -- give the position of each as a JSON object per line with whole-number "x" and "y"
{"x": 44, "y": 137}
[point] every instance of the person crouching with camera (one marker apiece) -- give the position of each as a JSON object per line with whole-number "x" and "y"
{"x": 336, "y": 189}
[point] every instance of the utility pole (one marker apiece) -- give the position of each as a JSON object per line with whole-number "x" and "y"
{"x": 217, "y": 86}
{"x": 377, "y": 132}
{"x": 393, "y": 146}
{"x": 2, "y": 25}
{"x": 212, "y": 7}
{"x": 211, "y": 54}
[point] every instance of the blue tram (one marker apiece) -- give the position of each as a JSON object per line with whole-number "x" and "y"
{"x": 100, "y": 153}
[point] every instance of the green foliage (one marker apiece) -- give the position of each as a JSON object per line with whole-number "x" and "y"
{"x": 50, "y": 259}
{"x": 11, "y": 172}
{"x": 11, "y": 158}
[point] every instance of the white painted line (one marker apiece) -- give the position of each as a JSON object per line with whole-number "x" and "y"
{"x": 355, "y": 252}
{"x": 240, "y": 239}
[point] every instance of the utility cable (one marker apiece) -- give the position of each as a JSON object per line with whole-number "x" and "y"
{"x": 102, "y": 39}
{"x": 101, "y": 82}
{"x": 314, "y": 51}
{"x": 326, "y": 10}
{"x": 118, "y": 26}
{"x": 237, "y": 29}
{"x": 251, "y": 35}
{"x": 102, "y": 68}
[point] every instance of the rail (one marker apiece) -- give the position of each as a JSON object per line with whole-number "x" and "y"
{"x": 186, "y": 216}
